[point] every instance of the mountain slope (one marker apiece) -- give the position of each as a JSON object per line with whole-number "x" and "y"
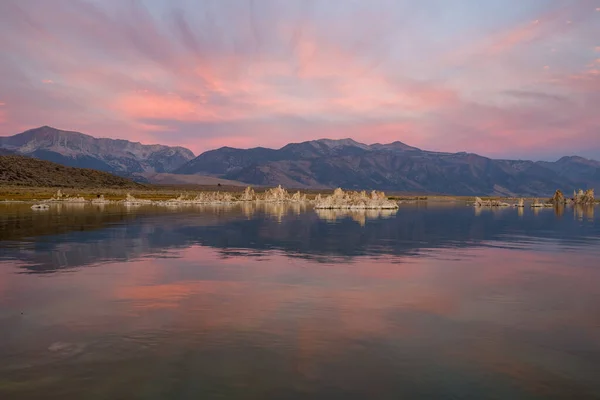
{"x": 576, "y": 169}
{"x": 180, "y": 179}
{"x": 226, "y": 160}
{"x": 27, "y": 171}
{"x": 396, "y": 166}
{"x": 79, "y": 150}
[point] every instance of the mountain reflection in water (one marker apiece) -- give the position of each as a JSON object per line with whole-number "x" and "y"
{"x": 276, "y": 301}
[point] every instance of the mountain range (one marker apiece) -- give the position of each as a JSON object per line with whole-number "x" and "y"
{"x": 323, "y": 163}
{"x": 74, "y": 149}
{"x": 394, "y": 167}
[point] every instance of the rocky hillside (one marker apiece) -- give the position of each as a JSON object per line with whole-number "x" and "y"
{"x": 75, "y": 149}
{"x": 18, "y": 170}
{"x": 395, "y": 166}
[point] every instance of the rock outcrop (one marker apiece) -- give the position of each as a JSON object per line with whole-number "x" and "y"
{"x": 583, "y": 198}
{"x": 215, "y": 198}
{"x": 537, "y": 204}
{"x": 100, "y": 200}
{"x": 280, "y": 195}
{"x": 276, "y": 195}
{"x": 489, "y": 203}
{"x": 558, "y": 198}
{"x": 59, "y": 197}
{"x": 355, "y": 200}
{"x": 248, "y": 194}
{"x": 520, "y": 203}
{"x": 132, "y": 201}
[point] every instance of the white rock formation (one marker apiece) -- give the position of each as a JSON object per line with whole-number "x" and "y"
{"x": 537, "y": 204}
{"x": 132, "y": 201}
{"x": 583, "y": 198}
{"x": 355, "y": 201}
{"x": 100, "y": 200}
{"x": 520, "y": 203}
{"x": 60, "y": 197}
{"x": 489, "y": 203}
{"x": 248, "y": 194}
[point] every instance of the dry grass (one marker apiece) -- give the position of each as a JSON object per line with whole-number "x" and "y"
{"x": 146, "y": 192}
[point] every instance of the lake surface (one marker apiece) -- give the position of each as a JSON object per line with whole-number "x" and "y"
{"x": 282, "y": 302}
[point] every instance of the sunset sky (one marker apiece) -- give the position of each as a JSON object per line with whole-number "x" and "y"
{"x": 502, "y": 78}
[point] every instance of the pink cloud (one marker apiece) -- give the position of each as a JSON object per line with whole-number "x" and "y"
{"x": 145, "y": 105}
{"x": 130, "y": 72}
{"x": 519, "y": 128}
{"x": 550, "y": 24}
{"x": 587, "y": 82}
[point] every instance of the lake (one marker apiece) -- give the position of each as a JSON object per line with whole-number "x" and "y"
{"x": 283, "y": 302}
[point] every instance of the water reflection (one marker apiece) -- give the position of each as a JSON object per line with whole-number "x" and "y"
{"x": 57, "y": 240}
{"x": 582, "y": 212}
{"x": 360, "y": 216}
{"x": 265, "y": 301}
{"x": 278, "y": 211}
{"x": 559, "y": 210}
{"x": 492, "y": 320}
{"x": 72, "y": 207}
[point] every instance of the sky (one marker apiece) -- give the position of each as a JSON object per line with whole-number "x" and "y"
{"x": 501, "y": 78}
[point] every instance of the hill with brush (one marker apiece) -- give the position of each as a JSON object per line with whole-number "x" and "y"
{"x": 18, "y": 170}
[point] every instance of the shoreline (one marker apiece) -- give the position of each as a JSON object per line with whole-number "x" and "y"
{"x": 28, "y": 194}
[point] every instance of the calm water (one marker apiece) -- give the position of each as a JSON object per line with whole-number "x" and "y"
{"x": 287, "y": 303}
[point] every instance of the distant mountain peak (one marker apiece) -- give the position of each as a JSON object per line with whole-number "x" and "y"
{"x": 396, "y": 146}
{"x": 572, "y": 158}
{"x": 47, "y": 128}
{"x": 333, "y": 143}
{"x": 77, "y": 149}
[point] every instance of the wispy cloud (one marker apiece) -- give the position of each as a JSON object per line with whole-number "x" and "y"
{"x": 262, "y": 73}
